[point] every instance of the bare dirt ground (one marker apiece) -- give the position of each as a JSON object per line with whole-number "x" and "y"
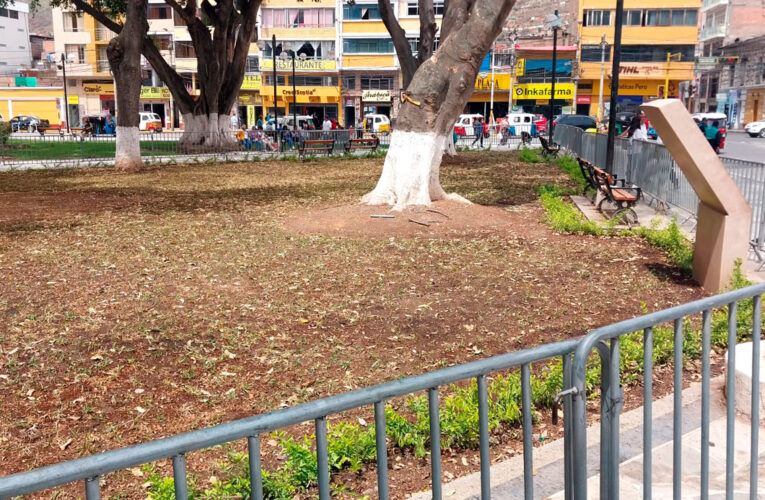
{"x": 139, "y": 306}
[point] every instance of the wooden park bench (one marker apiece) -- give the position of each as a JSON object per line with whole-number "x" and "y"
{"x": 623, "y": 196}
{"x": 312, "y": 146}
{"x": 50, "y": 129}
{"x": 550, "y": 149}
{"x": 368, "y": 144}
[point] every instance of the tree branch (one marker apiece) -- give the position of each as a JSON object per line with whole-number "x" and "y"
{"x": 403, "y": 50}
{"x": 427, "y": 30}
{"x": 98, "y": 15}
{"x": 247, "y": 34}
{"x": 186, "y": 15}
{"x": 455, "y": 15}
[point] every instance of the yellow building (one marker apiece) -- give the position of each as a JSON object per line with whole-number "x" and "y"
{"x": 652, "y": 31}
{"x": 43, "y": 102}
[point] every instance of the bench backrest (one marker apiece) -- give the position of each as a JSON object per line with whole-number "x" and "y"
{"x": 319, "y": 143}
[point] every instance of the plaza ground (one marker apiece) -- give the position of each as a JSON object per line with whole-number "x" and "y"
{"x": 139, "y": 306}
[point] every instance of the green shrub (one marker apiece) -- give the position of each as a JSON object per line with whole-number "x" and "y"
{"x": 569, "y": 165}
{"x": 529, "y": 155}
{"x": 5, "y": 132}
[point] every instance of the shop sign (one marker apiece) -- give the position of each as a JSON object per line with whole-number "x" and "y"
{"x": 542, "y": 102}
{"x": 520, "y": 67}
{"x": 245, "y": 99}
{"x": 584, "y": 99}
{"x": 375, "y": 95}
{"x": 300, "y": 65}
{"x": 155, "y": 93}
{"x": 252, "y": 82}
{"x": 543, "y": 91}
{"x": 501, "y": 82}
{"x": 98, "y": 88}
{"x": 706, "y": 61}
{"x": 304, "y": 94}
{"x": 73, "y": 99}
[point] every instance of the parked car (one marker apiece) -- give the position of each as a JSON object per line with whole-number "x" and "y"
{"x": 541, "y": 123}
{"x": 379, "y": 124}
{"x": 521, "y": 122}
{"x": 25, "y": 122}
{"x": 305, "y": 122}
{"x": 583, "y": 122}
{"x": 623, "y": 118}
{"x": 722, "y": 124}
{"x": 756, "y": 129}
{"x": 150, "y": 121}
{"x": 464, "y": 124}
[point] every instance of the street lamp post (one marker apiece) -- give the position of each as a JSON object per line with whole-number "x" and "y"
{"x": 553, "y": 21}
{"x": 283, "y": 56}
{"x": 276, "y": 107}
{"x": 66, "y": 94}
{"x": 603, "y": 45}
{"x": 616, "y": 62}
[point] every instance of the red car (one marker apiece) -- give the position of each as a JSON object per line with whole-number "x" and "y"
{"x": 541, "y": 123}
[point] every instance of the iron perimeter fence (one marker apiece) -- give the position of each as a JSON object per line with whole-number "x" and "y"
{"x": 742, "y": 318}
{"x": 651, "y": 166}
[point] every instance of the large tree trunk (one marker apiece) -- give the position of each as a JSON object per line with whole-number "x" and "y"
{"x": 202, "y": 132}
{"x": 124, "y": 53}
{"x": 433, "y": 100}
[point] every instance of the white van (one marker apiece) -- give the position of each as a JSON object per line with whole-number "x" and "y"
{"x": 149, "y": 121}
{"x": 464, "y": 124}
{"x": 304, "y": 121}
{"x": 521, "y": 122}
{"x": 379, "y": 124}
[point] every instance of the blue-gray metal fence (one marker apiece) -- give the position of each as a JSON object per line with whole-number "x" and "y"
{"x": 650, "y": 166}
{"x": 605, "y": 340}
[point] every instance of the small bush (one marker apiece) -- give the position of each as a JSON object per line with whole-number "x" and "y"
{"x": 5, "y": 132}
{"x": 529, "y": 155}
{"x": 569, "y": 165}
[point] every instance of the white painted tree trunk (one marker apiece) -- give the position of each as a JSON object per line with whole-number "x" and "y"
{"x": 209, "y": 132}
{"x": 410, "y": 174}
{"x": 127, "y": 156}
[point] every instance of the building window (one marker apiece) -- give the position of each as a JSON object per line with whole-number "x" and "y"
{"x": 361, "y": 12}
{"x": 349, "y": 82}
{"x": 158, "y": 12}
{"x": 268, "y": 79}
{"x": 656, "y": 53}
{"x": 674, "y": 17}
{"x": 593, "y": 53}
{"x": 252, "y": 65}
{"x": 376, "y": 83}
{"x": 368, "y": 46}
{"x": 414, "y": 43}
{"x": 162, "y": 42}
{"x": 185, "y": 50}
{"x": 3, "y": 12}
{"x": 178, "y": 20}
{"x": 298, "y": 18}
{"x": 760, "y": 71}
{"x": 413, "y": 8}
{"x": 73, "y": 22}
{"x": 315, "y": 81}
{"x": 597, "y": 18}
{"x": 13, "y": 14}
{"x": 75, "y": 53}
{"x": 633, "y": 18}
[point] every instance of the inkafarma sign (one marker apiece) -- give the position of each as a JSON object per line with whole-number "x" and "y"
{"x": 544, "y": 91}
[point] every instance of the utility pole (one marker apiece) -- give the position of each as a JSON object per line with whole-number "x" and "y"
{"x": 512, "y": 73}
{"x": 66, "y": 94}
{"x": 555, "y": 22}
{"x": 276, "y": 107}
{"x": 491, "y": 105}
{"x": 616, "y": 62}
{"x": 603, "y": 46}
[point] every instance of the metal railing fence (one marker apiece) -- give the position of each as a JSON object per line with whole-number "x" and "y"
{"x": 612, "y": 395}
{"x": 650, "y": 166}
{"x": 90, "y": 469}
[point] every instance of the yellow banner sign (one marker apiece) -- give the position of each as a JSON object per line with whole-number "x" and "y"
{"x": 520, "y": 67}
{"x": 252, "y": 82}
{"x": 249, "y": 99}
{"x": 375, "y": 95}
{"x": 304, "y": 94}
{"x": 98, "y": 88}
{"x": 300, "y": 65}
{"x": 155, "y": 93}
{"x": 539, "y": 91}
{"x": 501, "y": 82}
{"x": 73, "y": 99}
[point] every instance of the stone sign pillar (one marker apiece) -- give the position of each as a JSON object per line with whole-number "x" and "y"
{"x": 722, "y": 232}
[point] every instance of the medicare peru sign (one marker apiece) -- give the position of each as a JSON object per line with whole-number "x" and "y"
{"x": 544, "y": 91}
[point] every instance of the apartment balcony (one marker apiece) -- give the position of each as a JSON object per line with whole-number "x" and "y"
{"x": 709, "y": 4}
{"x": 102, "y": 66}
{"x": 104, "y": 34}
{"x": 709, "y": 32}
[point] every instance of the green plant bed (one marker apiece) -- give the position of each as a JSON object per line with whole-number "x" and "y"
{"x": 66, "y": 150}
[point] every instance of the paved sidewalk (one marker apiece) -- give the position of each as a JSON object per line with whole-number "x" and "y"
{"x": 507, "y": 476}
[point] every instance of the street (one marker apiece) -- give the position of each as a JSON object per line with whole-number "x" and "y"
{"x": 740, "y": 146}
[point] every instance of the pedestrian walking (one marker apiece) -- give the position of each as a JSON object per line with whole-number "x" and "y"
{"x": 713, "y": 135}
{"x": 478, "y": 131}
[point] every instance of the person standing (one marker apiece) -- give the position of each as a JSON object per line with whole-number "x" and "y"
{"x": 359, "y": 128}
{"x": 326, "y": 127}
{"x": 713, "y": 135}
{"x": 478, "y": 131}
